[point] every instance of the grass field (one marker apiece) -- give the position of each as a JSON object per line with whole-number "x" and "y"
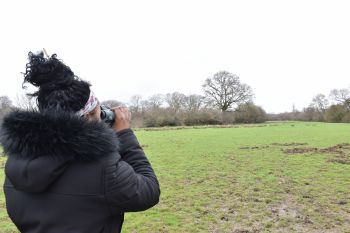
{"x": 276, "y": 177}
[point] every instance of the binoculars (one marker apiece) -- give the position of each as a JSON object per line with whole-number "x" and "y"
{"x": 107, "y": 115}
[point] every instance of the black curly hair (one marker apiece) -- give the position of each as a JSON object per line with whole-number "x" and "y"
{"x": 59, "y": 88}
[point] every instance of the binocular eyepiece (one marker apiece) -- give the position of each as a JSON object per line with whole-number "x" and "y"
{"x": 107, "y": 115}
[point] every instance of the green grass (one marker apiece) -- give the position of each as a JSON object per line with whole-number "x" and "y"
{"x": 241, "y": 180}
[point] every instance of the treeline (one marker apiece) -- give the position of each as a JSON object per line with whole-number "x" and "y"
{"x": 334, "y": 108}
{"x": 172, "y": 109}
{"x": 175, "y": 109}
{"x": 225, "y": 100}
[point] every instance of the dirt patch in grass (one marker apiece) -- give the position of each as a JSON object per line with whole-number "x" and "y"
{"x": 272, "y": 144}
{"x": 256, "y": 228}
{"x": 286, "y": 209}
{"x": 253, "y": 147}
{"x": 343, "y": 159}
{"x": 290, "y": 144}
{"x": 289, "y": 210}
{"x": 340, "y": 150}
{"x": 297, "y": 150}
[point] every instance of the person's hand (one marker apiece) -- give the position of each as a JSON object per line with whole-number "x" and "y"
{"x": 122, "y": 119}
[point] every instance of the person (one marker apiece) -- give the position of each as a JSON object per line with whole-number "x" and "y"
{"x": 67, "y": 171}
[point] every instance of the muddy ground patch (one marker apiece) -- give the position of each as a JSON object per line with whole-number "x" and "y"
{"x": 341, "y": 152}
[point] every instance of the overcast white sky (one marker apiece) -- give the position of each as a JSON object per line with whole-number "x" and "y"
{"x": 287, "y": 51}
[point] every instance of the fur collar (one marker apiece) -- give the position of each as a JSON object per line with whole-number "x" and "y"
{"x": 31, "y": 134}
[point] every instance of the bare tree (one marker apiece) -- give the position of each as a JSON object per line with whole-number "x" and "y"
{"x": 225, "y": 89}
{"x": 156, "y": 101}
{"x": 310, "y": 113}
{"x": 135, "y": 103}
{"x": 194, "y": 102}
{"x": 145, "y": 106}
{"x": 341, "y": 96}
{"x": 320, "y": 102}
{"x": 175, "y": 100}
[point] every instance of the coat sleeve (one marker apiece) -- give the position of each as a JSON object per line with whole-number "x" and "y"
{"x": 131, "y": 184}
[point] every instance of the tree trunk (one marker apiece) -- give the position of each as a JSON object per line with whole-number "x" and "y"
{"x": 225, "y": 118}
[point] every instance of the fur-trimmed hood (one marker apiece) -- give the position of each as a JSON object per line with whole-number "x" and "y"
{"x": 41, "y": 144}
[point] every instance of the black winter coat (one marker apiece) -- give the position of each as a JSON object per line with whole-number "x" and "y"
{"x": 67, "y": 175}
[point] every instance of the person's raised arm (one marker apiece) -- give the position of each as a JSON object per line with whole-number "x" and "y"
{"x": 135, "y": 187}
